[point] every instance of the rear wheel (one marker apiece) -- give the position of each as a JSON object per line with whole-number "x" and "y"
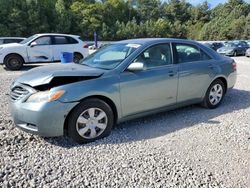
{"x": 92, "y": 119}
{"x": 13, "y": 62}
{"x": 77, "y": 57}
{"x": 214, "y": 94}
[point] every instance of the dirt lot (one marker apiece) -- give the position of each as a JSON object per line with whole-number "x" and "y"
{"x": 188, "y": 147}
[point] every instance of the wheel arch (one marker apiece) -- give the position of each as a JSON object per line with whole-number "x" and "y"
{"x": 17, "y": 54}
{"x": 79, "y": 53}
{"x": 101, "y": 97}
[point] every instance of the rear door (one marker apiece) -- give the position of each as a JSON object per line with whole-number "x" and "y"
{"x": 152, "y": 88}
{"x": 40, "y": 50}
{"x": 196, "y": 70}
{"x": 61, "y": 44}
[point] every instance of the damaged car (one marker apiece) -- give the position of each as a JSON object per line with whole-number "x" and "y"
{"x": 121, "y": 81}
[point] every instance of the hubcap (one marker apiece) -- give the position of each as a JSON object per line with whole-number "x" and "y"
{"x": 14, "y": 62}
{"x": 216, "y": 94}
{"x": 91, "y": 123}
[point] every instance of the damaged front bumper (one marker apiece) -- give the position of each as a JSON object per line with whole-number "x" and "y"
{"x": 44, "y": 119}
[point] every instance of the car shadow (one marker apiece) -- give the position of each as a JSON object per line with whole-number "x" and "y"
{"x": 161, "y": 124}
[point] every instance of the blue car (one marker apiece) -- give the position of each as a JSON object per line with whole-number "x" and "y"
{"x": 121, "y": 81}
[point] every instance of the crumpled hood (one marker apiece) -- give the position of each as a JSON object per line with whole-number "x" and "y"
{"x": 43, "y": 75}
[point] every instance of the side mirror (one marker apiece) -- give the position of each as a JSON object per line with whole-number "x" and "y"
{"x": 136, "y": 66}
{"x": 33, "y": 44}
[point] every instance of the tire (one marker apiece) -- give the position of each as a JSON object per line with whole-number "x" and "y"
{"x": 13, "y": 62}
{"x": 83, "y": 120}
{"x": 209, "y": 99}
{"x": 77, "y": 57}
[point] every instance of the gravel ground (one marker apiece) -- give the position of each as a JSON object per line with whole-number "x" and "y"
{"x": 188, "y": 147}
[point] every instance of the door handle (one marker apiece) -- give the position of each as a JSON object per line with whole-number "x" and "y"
{"x": 211, "y": 66}
{"x": 171, "y": 73}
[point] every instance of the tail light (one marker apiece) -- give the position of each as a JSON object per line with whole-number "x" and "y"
{"x": 86, "y": 46}
{"x": 234, "y": 66}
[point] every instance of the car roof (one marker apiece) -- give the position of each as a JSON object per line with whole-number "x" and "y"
{"x": 12, "y": 38}
{"x": 153, "y": 40}
{"x": 56, "y": 34}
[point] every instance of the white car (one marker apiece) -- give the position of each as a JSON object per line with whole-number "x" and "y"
{"x": 7, "y": 40}
{"x": 41, "y": 48}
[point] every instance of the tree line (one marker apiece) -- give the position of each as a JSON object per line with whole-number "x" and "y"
{"x": 122, "y": 19}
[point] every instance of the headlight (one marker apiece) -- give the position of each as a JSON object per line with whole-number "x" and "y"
{"x": 45, "y": 96}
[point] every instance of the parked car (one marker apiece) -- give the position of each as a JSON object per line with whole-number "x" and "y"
{"x": 7, "y": 40}
{"x": 214, "y": 45}
{"x": 248, "y": 52}
{"x": 233, "y": 48}
{"x": 124, "y": 80}
{"x": 41, "y": 48}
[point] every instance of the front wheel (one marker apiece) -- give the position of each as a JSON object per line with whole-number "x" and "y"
{"x": 92, "y": 119}
{"x": 13, "y": 62}
{"x": 214, "y": 94}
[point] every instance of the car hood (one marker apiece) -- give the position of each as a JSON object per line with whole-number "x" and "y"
{"x": 44, "y": 75}
{"x": 10, "y": 45}
{"x": 226, "y": 48}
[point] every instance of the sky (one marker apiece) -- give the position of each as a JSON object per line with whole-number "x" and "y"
{"x": 212, "y": 3}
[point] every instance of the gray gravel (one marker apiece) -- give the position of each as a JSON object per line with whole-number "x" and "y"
{"x": 188, "y": 147}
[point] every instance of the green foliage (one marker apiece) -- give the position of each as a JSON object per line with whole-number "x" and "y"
{"x": 123, "y": 19}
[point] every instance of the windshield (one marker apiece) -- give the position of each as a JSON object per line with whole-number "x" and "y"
{"x": 28, "y": 39}
{"x": 230, "y": 44}
{"x": 110, "y": 56}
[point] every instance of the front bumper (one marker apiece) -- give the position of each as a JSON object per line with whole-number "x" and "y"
{"x": 44, "y": 119}
{"x": 248, "y": 53}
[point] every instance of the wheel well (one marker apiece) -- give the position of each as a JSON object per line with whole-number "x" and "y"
{"x": 103, "y": 98}
{"x": 11, "y": 55}
{"x": 224, "y": 82}
{"x": 78, "y": 53}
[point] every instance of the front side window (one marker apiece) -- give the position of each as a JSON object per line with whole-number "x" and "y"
{"x": 43, "y": 41}
{"x": 190, "y": 53}
{"x": 110, "y": 56}
{"x": 156, "y": 56}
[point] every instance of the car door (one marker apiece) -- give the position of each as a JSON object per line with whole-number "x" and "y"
{"x": 40, "y": 50}
{"x": 151, "y": 88}
{"x": 196, "y": 70}
{"x": 61, "y": 44}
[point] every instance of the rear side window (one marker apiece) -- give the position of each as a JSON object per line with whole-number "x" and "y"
{"x": 189, "y": 53}
{"x": 7, "y": 41}
{"x": 72, "y": 40}
{"x": 60, "y": 40}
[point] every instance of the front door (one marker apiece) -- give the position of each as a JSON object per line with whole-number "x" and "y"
{"x": 40, "y": 50}
{"x": 152, "y": 88}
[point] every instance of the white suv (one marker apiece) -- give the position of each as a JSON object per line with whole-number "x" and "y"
{"x": 41, "y": 48}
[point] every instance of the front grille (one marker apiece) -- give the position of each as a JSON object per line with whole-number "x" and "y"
{"x": 18, "y": 92}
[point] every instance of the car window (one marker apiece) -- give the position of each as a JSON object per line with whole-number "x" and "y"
{"x": 1, "y": 41}
{"x": 72, "y": 40}
{"x": 110, "y": 56}
{"x": 156, "y": 56}
{"x": 190, "y": 53}
{"x": 7, "y": 41}
{"x": 60, "y": 40}
{"x": 43, "y": 41}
